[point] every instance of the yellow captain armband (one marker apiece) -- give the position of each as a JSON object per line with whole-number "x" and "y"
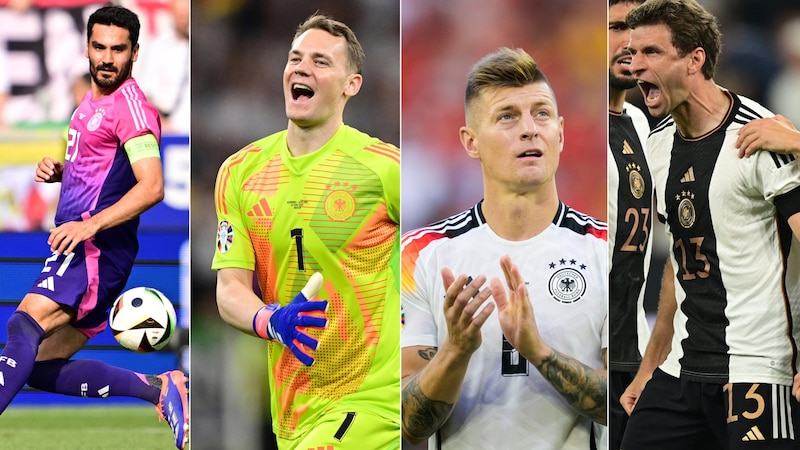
{"x": 141, "y": 147}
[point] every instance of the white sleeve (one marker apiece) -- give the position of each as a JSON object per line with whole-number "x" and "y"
{"x": 775, "y": 174}
{"x": 419, "y": 320}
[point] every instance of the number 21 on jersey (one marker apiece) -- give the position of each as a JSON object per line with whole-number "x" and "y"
{"x": 72, "y": 145}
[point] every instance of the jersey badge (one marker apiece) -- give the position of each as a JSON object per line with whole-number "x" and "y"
{"x": 686, "y": 210}
{"x": 567, "y": 283}
{"x": 635, "y": 180}
{"x": 340, "y": 204}
{"x": 224, "y": 236}
{"x": 94, "y": 122}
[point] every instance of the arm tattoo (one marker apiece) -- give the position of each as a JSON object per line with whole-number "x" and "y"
{"x": 422, "y": 416}
{"x": 427, "y": 353}
{"x": 583, "y": 387}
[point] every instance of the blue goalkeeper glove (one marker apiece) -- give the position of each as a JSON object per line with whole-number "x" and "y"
{"x": 287, "y": 324}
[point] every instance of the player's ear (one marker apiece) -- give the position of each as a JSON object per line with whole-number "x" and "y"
{"x": 560, "y": 134}
{"x": 697, "y": 58}
{"x": 469, "y": 141}
{"x": 353, "y": 84}
{"x": 135, "y": 53}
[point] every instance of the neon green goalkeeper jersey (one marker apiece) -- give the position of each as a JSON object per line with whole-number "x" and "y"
{"x": 334, "y": 211}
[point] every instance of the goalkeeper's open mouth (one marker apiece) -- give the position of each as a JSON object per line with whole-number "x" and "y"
{"x": 301, "y": 91}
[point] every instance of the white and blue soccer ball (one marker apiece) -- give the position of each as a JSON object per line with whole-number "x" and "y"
{"x": 142, "y": 319}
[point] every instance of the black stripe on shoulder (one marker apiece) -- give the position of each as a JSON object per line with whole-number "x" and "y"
{"x": 665, "y": 123}
{"x": 475, "y": 219}
{"x": 452, "y": 226}
{"x": 578, "y": 222}
{"x": 747, "y": 111}
{"x": 740, "y": 120}
{"x": 781, "y": 160}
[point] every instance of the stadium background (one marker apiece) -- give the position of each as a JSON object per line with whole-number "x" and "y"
{"x": 237, "y": 60}
{"x": 42, "y": 45}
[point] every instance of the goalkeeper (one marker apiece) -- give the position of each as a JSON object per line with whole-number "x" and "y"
{"x": 317, "y": 205}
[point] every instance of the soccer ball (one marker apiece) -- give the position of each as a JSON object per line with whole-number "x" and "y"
{"x": 142, "y": 319}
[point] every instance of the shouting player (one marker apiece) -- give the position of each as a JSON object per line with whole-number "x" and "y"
{"x": 467, "y": 375}
{"x": 727, "y": 377}
{"x": 110, "y": 175}
{"x": 319, "y": 197}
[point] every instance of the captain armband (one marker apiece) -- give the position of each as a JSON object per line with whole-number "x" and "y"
{"x": 140, "y": 147}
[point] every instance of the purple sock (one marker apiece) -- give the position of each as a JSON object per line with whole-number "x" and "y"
{"x": 16, "y": 362}
{"x": 91, "y": 378}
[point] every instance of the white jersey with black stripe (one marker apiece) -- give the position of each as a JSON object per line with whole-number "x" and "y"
{"x": 505, "y": 402}
{"x": 737, "y": 276}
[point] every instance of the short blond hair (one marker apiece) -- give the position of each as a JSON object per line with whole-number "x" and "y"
{"x": 505, "y": 67}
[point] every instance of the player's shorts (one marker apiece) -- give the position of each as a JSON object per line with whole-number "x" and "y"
{"x": 87, "y": 281}
{"x": 678, "y": 414}
{"x": 340, "y": 429}
{"x": 618, "y": 381}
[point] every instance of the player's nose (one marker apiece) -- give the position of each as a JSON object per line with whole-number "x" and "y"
{"x": 529, "y": 128}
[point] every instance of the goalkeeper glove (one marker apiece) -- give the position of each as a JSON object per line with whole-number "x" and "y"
{"x": 287, "y": 324}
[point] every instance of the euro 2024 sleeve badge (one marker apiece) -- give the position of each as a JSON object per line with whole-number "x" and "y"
{"x": 224, "y": 236}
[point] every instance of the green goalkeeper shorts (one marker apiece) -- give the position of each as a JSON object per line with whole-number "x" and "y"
{"x": 340, "y": 429}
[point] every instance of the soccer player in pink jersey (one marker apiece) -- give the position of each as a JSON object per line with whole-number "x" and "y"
{"x": 110, "y": 175}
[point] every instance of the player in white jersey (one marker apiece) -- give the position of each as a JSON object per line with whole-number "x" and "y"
{"x": 726, "y": 381}
{"x": 468, "y": 380}
{"x": 630, "y": 218}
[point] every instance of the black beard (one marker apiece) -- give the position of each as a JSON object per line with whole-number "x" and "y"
{"x": 620, "y": 84}
{"x": 123, "y": 73}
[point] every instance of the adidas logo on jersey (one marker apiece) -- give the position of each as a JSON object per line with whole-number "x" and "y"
{"x": 261, "y": 209}
{"x": 626, "y": 148}
{"x": 753, "y": 435}
{"x": 688, "y": 177}
{"x": 47, "y": 283}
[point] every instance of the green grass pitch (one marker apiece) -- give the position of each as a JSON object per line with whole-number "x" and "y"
{"x": 84, "y": 428}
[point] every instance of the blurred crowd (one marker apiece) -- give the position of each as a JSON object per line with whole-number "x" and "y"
{"x": 44, "y": 73}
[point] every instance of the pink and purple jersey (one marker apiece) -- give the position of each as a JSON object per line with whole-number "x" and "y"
{"x": 97, "y": 172}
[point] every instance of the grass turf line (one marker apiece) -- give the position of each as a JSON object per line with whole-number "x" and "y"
{"x": 84, "y": 428}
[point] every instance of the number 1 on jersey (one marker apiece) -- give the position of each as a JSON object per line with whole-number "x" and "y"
{"x": 297, "y": 234}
